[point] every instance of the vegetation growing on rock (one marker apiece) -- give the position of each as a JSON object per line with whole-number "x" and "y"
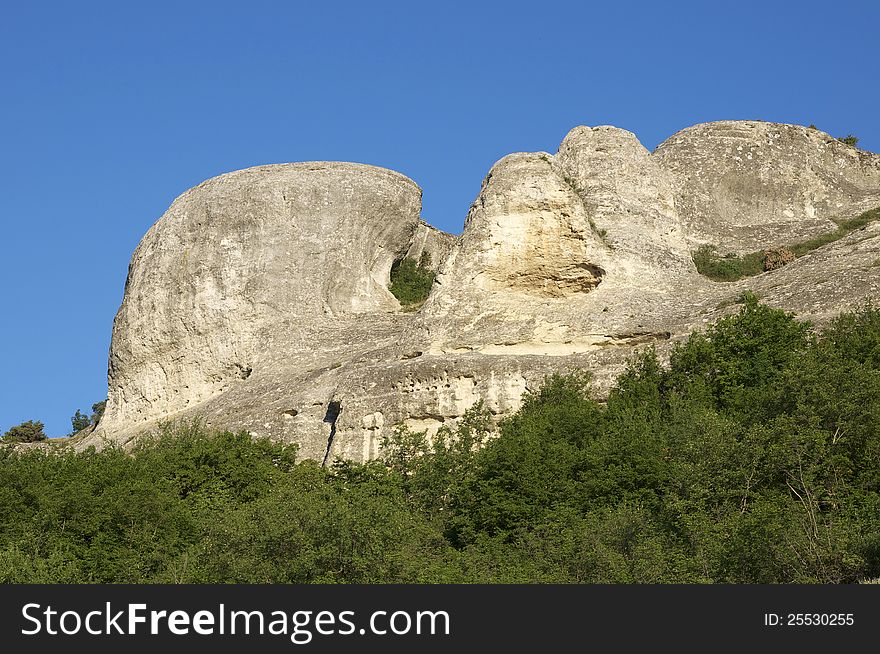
{"x": 80, "y": 420}
{"x": 728, "y": 267}
{"x": 775, "y": 258}
{"x": 753, "y": 457}
{"x": 411, "y": 282}
{"x": 731, "y": 267}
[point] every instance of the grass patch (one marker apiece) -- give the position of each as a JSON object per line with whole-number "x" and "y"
{"x": 743, "y": 298}
{"x": 844, "y": 227}
{"x": 411, "y": 282}
{"x": 731, "y": 267}
{"x": 728, "y": 267}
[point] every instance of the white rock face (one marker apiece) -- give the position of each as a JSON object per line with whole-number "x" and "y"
{"x": 629, "y": 198}
{"x": 260, "y": 300}
{"x": 528, "y": 233}
{"x": 253, "y": 260}
{"x": 747, "y": 185}
{"x": 430, "y": 247}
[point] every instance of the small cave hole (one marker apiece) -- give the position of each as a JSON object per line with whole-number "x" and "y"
{"x": 244, "y": 371}
{"x": 332, "y": 415}
{"x": 333, "y": 411}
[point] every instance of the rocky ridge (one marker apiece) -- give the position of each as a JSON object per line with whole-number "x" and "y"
{"x": 260, "y": 300}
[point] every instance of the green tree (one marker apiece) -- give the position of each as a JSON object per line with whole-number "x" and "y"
{"x": 27, "y": 432}
{"x": 79, "y": 421}
{"x": 754, "y": 457}
{"x": 537, "y": 464}
{"x": 740, "y": 358}
{"x": 98, "y": 411}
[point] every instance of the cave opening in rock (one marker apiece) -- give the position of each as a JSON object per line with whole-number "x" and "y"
{"x": 411, "y": 281}
{"x": 334, "y": 408}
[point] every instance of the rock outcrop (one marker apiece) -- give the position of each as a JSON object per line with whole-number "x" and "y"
{"x": 264, "y": 259}
{"x": 744, "y": 185}
{"x": 260, "y": 300}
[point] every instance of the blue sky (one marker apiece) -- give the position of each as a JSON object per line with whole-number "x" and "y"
{"x": 108, "y": 111}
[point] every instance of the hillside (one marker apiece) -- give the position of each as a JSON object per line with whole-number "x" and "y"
{"x": 751, "y": 458}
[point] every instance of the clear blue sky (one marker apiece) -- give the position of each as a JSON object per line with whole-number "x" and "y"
{"x": 110, "y": 110}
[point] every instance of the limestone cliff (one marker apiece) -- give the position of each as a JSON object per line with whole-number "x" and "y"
{"x": 260, "y": 299}
{"x": 743, "y": 185}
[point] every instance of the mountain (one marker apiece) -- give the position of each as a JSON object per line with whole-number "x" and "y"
{"x": 260, "y": 300}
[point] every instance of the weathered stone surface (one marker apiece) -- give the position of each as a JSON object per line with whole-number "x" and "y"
{"x": 750, "y": 185}
{"x": 533, "y": 275}
{"x": 837, "y": 277}
{"x": 259, "y": 301}
{"x": 251, "y": 265}
{"x": 528, "y": 233}
{"x": 430, "y": 247}
{"x": 629, "y": 198}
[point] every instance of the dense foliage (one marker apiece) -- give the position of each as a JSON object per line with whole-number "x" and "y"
{"x": 731, "y": 267}
{"x": 80, "y": 420}
{"x": 727, "y": 267}
{"x": 411, "y": 282}
{"x": 753, "y": 457}
{"x": 27, "y": 432}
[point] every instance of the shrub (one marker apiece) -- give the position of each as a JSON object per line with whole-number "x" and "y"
{"x": 80, "y": 421}
{"x": 776, "y": 258}
{"x": 849, "y": 139}
{"x": 98, "y": 411}
{"x": 27, "y": 432}
{"x": 411, "y": 282}
{"x": 732, "y": 267}
{"x": 754, "y": 457}
{"x": 728, "y": 267}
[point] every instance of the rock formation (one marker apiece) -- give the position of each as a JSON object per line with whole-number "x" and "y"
{"x": 260, "y": 300}
{"x": 743, "y": 185}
